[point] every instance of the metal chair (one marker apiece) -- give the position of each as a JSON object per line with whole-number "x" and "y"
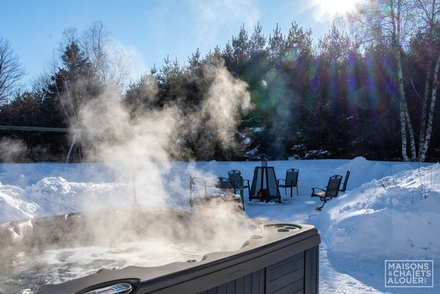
{"x": 290, "y": 181}
{"x": 223, "y": 183}
{"x": 330, "y": 192}
{"x": 344, "y": 185}
{"x": 237, "y": 182}
{"x": 234, "y": 172}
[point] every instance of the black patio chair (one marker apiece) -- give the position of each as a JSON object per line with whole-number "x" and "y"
{"x": 330, "y": 192}
{"x": 223, "y": 183}
{"x": 291, "y": 181}
{"x": 344, "y": 184}
{"x": 237, "y": 183}
{"x": 234, "y": 172}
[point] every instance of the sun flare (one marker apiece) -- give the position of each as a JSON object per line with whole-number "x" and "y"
{"x": 335, "y": 7}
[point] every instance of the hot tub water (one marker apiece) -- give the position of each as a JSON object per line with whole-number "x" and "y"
{"x": 72, "y": 246}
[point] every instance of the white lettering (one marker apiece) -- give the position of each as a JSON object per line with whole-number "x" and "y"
{"x": 409, "y": 274}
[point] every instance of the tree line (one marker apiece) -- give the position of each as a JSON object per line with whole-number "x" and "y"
{"x": 369, "y": 91}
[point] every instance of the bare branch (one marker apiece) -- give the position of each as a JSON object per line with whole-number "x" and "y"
{"x": 11, "y": 71}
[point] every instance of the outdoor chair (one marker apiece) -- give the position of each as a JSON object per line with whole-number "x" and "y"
{"x": 223, "y": 183}
{"x": 290, "y": 181}
{"x": 237, "y": 183}
{"x": 344, "y": 184}
{"x": 234, "y": 172}
{"x": 331, "y": 191}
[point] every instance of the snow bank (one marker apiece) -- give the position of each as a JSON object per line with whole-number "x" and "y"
{"x": 394, "y": 217}
{"x": 54, "y": 195}
{"x": 12, "y": 206}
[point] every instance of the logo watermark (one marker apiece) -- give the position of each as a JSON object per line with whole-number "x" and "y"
{"x": 409, "y": 273}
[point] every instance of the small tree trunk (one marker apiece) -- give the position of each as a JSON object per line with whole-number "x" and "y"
{"x": 423, "y": 120}
{"x": 405, "y": 121}
{"x": 70, "y": 150}
{"x": 424, "y": 148}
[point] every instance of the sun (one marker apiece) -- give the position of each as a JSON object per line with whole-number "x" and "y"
{"x": 335, "y": 7}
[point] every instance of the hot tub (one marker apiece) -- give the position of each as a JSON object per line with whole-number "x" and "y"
{"x": 89, "y": 252}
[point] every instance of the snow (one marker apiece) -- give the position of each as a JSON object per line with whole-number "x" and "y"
{"x": 390, "y": 211}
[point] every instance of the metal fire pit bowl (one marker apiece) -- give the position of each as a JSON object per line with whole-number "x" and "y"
{"x": 276, "y": 258}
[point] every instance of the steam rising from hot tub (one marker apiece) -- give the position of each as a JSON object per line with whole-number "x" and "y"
{"x": 131, "y": 237}
{"x": 139, "y": 148}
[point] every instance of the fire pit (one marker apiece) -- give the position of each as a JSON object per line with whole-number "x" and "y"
{"x": 86, "y": 252}
{"x": 264, "y": 184}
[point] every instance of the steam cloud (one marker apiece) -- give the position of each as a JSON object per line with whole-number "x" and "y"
{"x": 12, "y": 151}
{"x": 139, "y": 147}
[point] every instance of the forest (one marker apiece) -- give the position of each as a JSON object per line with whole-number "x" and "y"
{"x": 367, "y": 88}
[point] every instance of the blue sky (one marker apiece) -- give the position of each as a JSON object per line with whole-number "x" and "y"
{"x": 151, "y": 29}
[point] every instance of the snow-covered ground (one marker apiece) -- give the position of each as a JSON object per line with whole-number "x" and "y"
{"x": 390, "y": 211}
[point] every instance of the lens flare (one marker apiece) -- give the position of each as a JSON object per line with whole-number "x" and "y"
{"x": 335, "y": 7}
{"x": 325, "y": 11}
{"x": 291, "y": 54}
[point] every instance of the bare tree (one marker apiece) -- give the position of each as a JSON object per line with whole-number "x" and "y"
{"x": 94, "y": 42}
{"x": 99, "y": 63}
{"x": 429, "y": 12}
{"x": 70, "y": 80}
{"x": 112, "y": 65}
{"x": 390, "y": 22}
{"x": 11, "y": 71}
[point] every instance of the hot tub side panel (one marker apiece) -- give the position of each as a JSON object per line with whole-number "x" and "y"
{"x": 289, "y": 265}
{"x": 296, "y": 274}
